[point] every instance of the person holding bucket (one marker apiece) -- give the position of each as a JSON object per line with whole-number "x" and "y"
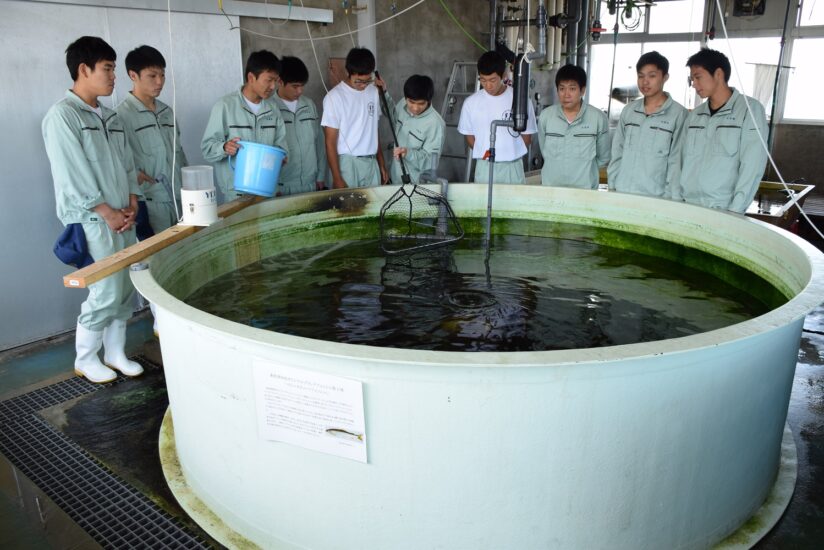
{"x": 350, "y": 126}
{"x": 96, "y": 194}
{"x": 248, "y": 114}
{"x": 306, "y": 170}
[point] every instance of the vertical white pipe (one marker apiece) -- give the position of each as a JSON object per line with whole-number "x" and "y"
{"x": 367, "y": 37}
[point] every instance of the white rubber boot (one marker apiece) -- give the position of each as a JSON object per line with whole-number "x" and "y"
{"x": 87, "y": 343}
{"x": 114, "y": 346}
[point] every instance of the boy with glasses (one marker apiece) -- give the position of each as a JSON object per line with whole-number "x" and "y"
{"x": 350, "y": 125}
{"x": 494, "y": 102}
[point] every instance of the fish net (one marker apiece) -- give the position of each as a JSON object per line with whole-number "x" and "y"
{"x": 416, "y": 218}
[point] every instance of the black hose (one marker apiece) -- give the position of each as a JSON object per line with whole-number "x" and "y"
{"x": 382, "y": 93}
{"x": 520, "y": 93}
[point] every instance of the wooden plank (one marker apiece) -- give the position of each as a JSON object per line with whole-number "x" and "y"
{"x": 101, "y": 269}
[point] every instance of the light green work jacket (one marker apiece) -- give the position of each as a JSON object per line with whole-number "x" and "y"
{"x": 91, "y": 163}
{"x": 150, "y": 135}
{"x": 722, "y": 159}
{"x": 645, "y": 157}
{"x": 231, "y": 118}
{"x": 422, "y": 136}
{"x": 573, "y": 151}
{"x": 306, "y": 146}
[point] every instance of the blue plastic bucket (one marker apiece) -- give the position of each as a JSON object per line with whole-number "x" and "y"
{"x": 257, "y": 168}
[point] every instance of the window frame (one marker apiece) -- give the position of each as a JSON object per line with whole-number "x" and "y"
{"x": 794, "y": 32}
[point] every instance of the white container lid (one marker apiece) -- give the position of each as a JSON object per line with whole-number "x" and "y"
{"x": 198, "y": 177}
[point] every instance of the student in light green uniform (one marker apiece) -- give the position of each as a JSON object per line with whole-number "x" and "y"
{"x": 574, "y": 136}
{"x": 722, "y": 158}
{"x": 150, "y": 130}
{"x": 248, "y": 114}
{"x": 419, "y": 129}
{"x": 306, "y": 170}
{"x": 645, "y": 145}
{"x": 95, "y": 186}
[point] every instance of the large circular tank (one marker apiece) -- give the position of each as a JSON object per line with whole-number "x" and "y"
{"x": 663, "y": 444}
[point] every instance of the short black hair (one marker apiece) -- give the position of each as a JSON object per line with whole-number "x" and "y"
{"x": 360, "y": 61}
{"x": 491, "y": 62}
{"x": 711, "y": 60}
{"x": 653, "y": 58}
{"x": 144, "y": 57}
{"x": 88, "y": 50}
{"x": 419, "y": 87}
{"x": 260, "y": 61}
{"x": 571, "y": 72}
{"x": 293, "y": 69}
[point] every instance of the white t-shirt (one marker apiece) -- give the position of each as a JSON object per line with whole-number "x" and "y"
{"x": 291, "y": 105}
{"x": 355, "y": 114}
{"x": 477, "y": 114}
{"x": 254, "y": 107}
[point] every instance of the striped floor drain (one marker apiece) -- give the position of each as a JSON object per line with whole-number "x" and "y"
{"x": 113, "y": 512}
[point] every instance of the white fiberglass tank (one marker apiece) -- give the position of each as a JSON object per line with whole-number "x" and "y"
{"x": 666, "y": 444}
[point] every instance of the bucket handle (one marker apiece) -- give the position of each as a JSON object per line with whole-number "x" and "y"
{"x": 232, "y": 158}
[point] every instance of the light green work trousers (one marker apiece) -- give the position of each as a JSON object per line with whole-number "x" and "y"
{"x": 360, "y": 171}
{"x": 511, "y": 171}
{"x": 295, "y": 187}
{"x": 161, "y": 215}
{"x": 110, "y": 298}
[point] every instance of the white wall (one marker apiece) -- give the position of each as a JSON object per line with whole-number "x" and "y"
{"x": 207, "y": 64}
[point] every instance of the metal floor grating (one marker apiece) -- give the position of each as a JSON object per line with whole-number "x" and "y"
{"x": 110, "y": 510}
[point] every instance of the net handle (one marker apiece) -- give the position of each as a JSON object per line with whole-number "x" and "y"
{"x": 382, "y": 93}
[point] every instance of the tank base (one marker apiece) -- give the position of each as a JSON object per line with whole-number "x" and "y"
{"x": 765, "y": 518}
{"x": 750, "y": 532}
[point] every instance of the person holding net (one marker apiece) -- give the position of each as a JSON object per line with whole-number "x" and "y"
{"x": 419, "y": 128}
{"x": 414, "y": 218}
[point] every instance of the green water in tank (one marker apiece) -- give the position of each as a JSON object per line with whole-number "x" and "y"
{"x": 573, "y": 287}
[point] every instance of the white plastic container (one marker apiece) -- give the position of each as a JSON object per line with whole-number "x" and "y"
{"x": 198, "y": 197}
